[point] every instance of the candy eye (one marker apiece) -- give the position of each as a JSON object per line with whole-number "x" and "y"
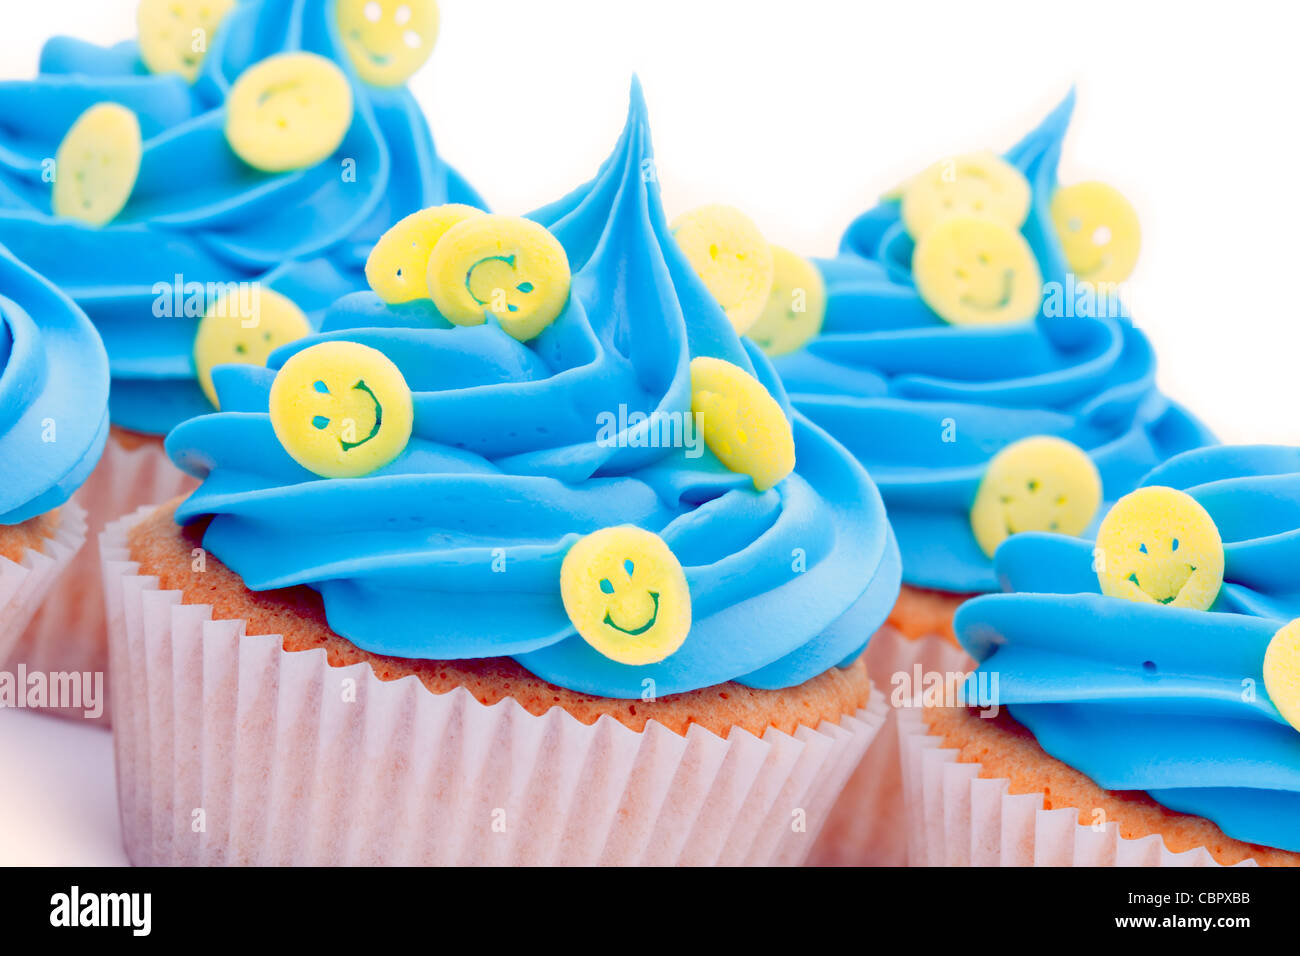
{"x": 510, "y": 268}
{"x": 1007, "y": 501}
{"x": 977, "y": 183}
{"x": 1099, "y": 231}
{"x": 638, "y": 623}
{"x": 1189, "y": 574}
{"x": 398, "y": 267}
{"x": 290, "y": 111}
{"x": 97, "y": 164}
{"x": 741, "y": 422}
{"x": 732, "y": 258}
{"x": 341, "y": 409}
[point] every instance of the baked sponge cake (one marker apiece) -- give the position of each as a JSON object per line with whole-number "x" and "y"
{"x": 532, "y": 544}
{"x": 1147, "y": 681}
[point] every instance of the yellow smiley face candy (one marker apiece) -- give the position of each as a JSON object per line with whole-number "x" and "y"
{"x": 795, "y": 308}
{"x": 96, "y": 165}
{"x": 977, "y": 184}
{"x": 398, "y": 267}
{"x": 288, "y": 112}
{"x": 973, "y": 271}
{"x": 730, "y": 255}
{"x": 239, "y": 329}
{"x": 388, "y": 40}
{"x": 341, "y": 409}
{"x": 626, "y": 594}
{"x": 741, "y": 422}
{"x": 508, "y": 266}
{"x": 1036, "y": 484}
{"x": 175, "y": 34}
{"x": 1282, "y": 672}
{"x": 1099, "y": 231}
{"x": 1158, "y": 545}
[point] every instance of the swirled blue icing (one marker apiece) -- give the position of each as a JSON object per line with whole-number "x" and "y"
{"x": 53, "y": 394}
{"x": 198, "y": 212}
{"x": 506, "y": 462}
{"x": 1146, "y": 697}
{"x": 924, "y": 405}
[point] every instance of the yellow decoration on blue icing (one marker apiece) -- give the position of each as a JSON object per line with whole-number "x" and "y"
{"x": 976, "y": 184}
{"x": 245, "y": 330}
{"x": 741, "y": 422}
{"x": 795, "y": 308}
{"x": 1158, "y": 545}
{"x": 175, "y": 34}
{"x": 97, "y": 164}
{"x": 1041, "y": 483}
{"x": 398, "y": 267}
{"x": 975, "y": 271}
{"x": 1282, "y": 672}
{"x": 626, "y": 594}
{"x": 341, "y": 409}
{"x": 1099, "y": 231}
{"x": 289, "y": 111}
{"x": 731, "y": 256}
{"x": 510, "y": 267}
{"x": 388, "y": 40}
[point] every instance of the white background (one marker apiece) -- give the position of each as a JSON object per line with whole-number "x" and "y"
{"x": 801, "y": 113}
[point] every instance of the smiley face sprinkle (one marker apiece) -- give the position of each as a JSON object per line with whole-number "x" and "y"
{"x": 246, "y": 332}
{"x": 976, "y": 271}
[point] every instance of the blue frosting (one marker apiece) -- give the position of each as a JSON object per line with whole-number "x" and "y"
{"x": 924, "y": 405}
{"x": 53, "y": 394}
{"x": 197, "y": 211}
{"x": 1146, "y": 697}
{"x": 506, "y": 462}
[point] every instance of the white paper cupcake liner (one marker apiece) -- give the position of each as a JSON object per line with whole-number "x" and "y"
{"x": 29, "y": 582}
{"x": 231, "y": 750}
{"x": 954, "y": 817}
{"x": 68, "y": 633}
{"x": 863, "y": 827}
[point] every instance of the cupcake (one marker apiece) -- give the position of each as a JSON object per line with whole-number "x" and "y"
{"x": 199, "y": 219}
{"x": 1147, "y": 685}
{"x": 53, "y": 425}
{"x": 527, "y": 560}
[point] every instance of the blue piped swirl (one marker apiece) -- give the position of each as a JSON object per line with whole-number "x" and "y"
{"x": 925, "y": 405}
{"x": 506, "y": 462}
{"x": 197, "y": 211}
{"x": 1167, "y": 700}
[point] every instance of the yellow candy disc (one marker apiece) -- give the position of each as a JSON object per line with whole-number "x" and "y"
{"x": 244, "y": 329}
{"x": 1159, "y": 546}
{"x": 977, "y": 184}
{"x": 974, "y": 271}
{"x": 742, "y": 423}
{"x": 388, "y": 40}
{"x": 508, "y": 266}
{"x": 729, "y": 253}
{"x": 288, "y": 112}
{"x": 1282, "y": 672}
{"x": 341, "y": 409}
{"x": 1036, "y": 484}
{"x": 626, "y": 594}
{"x": 398, "y": 267}
{"x": 97, "y": 163}
{"x": 1099, "y": 231}
{"x": 175, "y": 34}
{"x": 795, "y": 308}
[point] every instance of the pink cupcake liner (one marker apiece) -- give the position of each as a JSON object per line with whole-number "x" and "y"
{"x": 863, "y": 827}
{"x": 232, "y": 751}
{"x": 26, "y": 584}
{"x": 954, "y": 817}
{"x": 69, "y": 633}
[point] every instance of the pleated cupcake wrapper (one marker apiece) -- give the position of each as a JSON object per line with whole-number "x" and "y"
{"x": 28, "y": 583}
{"x": 954, "y": 817}
{"x": 863, "y": 826}
{"x": 68, "y": 633}
{"x": 231, "y": 750}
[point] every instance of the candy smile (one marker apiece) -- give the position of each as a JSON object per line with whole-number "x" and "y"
{"x": 1191, "y": 569}
{"x": 1008, "y": 281}
{"x": 637, "y": 631}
